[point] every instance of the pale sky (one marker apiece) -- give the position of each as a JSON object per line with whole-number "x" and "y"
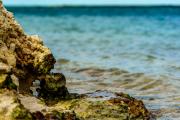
{"x": 91, "y": 2}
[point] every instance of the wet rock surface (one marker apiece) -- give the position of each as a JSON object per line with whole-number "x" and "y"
{"x": 25, "y": 65}
{"x": 97, "y": 106}
{"x": 76, "y": 107}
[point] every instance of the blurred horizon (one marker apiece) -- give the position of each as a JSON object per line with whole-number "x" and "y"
{"x": 91, "y": 3}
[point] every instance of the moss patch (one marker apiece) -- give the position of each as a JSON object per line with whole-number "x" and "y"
{"x": 20, "y": 113}
{"x": 122, "y": 107}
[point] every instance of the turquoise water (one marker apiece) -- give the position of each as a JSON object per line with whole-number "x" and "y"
{"x": 142, "y": 40}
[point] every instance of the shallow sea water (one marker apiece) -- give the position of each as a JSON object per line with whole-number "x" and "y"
{"x": 133, "y": 50}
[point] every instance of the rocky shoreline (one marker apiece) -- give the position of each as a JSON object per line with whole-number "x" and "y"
{"x": 77, "y": 107}
{"x": 26, "y": 63}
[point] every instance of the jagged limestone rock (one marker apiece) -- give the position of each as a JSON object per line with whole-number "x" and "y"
{"x": 11, "y": 108}
{"x": 24, "y": 58}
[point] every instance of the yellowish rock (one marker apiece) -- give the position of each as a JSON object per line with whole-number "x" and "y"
{"x": 2, "y": 79}
{"x": 23, "y": 57}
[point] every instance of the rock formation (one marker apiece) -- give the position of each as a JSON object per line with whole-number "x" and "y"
{"x": 26, "y": 63}
{"x": 24, "y": 58}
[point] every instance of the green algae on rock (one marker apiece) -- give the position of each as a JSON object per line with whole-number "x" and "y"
{"x": 90, "y": 106}
{"x": 20, "y": 113}
{"x": 10, "y": 107}
{"x": 120, "y": 107}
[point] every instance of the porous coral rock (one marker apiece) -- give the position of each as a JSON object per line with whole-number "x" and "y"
{"x": 24, "y": 58}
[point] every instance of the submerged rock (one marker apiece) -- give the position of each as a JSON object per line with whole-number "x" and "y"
{"x": 24, "y": 58}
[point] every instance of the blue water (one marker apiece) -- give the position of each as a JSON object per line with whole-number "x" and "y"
{"x": 137, "y": 39}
